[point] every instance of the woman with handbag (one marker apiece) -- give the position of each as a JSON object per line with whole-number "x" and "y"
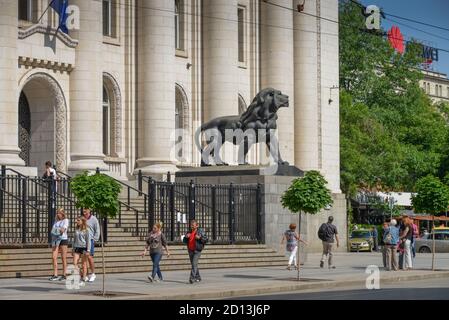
{"x": 156, "y": 241}
{"x": 59, "y": 244}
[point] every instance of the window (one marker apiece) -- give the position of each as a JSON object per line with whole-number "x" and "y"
{"x": 181, "y": 118}
{"x": 109, "y": 18}
{"x": 241, "y": 33}
{"x": 441, "y": 91}
{"x": 179, "y": 24}
{"x": 106, "y": 123}
{"x": 428, "y": 88}
{"x": 447, "y": 92}
{"x": 27, "y": 10}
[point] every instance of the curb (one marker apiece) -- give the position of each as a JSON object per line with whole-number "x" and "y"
{"x": 274, "y": 289}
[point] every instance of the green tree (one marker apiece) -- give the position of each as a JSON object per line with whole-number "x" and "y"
{"x": 391, "y": 133}
{"x": 432, "y": 197}
{"x": 99, "y": 193}
{"x": 308, "y": 194}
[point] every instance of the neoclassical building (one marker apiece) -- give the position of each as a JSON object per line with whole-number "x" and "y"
{"x": 112, "y": 93}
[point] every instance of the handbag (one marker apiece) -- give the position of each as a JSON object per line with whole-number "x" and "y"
{"x": 55, "y": 232}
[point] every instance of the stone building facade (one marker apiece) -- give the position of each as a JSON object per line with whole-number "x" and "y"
{"x": 112, "y": 93}
{"x": 435, "y": 85}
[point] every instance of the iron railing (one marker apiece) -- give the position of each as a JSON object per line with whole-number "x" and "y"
{"x": 228, "y": 213}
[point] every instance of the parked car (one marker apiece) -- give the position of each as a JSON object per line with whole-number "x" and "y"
{"x": 425, "y": 245}
{"x": 361, "y": 240}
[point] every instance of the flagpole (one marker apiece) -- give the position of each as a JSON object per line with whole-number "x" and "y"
{"x": 48, "y": 7}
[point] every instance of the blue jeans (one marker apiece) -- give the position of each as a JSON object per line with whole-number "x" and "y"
{"x": 156, "y": 258}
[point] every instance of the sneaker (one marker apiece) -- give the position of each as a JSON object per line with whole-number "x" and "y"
{"x": 156, "y": 280}
{"x": 321, "y": 264}
{"x": 54, "y": 278}
{"x": 150, "y": 277}
{"x": 62, "y": 278}
{"x": 86, "y": 279}
{"x": 191, "y": 281}
{"x": 92, "y": 277}
{"x": 198, "y": 280}
{"x": 82, "y": 283}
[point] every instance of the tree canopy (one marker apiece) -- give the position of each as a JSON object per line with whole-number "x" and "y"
{"x": 308, "y": 194}
{"x": 391, "y": 132}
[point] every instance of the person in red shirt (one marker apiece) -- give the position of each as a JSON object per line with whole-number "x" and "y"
{"x": 195, "y": 240}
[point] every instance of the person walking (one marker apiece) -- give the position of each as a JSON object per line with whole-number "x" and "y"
{"x": 94, "y": 235}
{"x": 59, "y": 244}
{"x": 375, "y": 239}
{"x": 406, "y": 236}
{"x": 292, "y": 238}
{"x": 329, "y": 235}
{"x": 391, "y": 239}
{"x": 195, "y": 240}
{"x": 81, "y": 247}
{"x": 156, "y": 241}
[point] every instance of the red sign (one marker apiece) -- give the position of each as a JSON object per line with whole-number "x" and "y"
{"x": 396, "y": 39}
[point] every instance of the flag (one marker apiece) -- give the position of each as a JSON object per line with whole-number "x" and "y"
{"x": 60, "y": 6}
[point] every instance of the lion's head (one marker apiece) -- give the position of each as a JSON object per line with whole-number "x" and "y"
{"x": 268, "y": 99}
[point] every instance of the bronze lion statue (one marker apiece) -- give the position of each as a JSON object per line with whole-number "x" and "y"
{"x": 261, "y": 116}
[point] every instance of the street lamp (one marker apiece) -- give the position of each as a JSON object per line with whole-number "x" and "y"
{"x": 391, "y": 202}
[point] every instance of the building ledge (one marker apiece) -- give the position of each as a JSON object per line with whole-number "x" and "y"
{"x": 39, "y": 28}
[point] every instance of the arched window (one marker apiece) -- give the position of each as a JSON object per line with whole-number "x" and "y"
{"x": 181, "y": 122}
{"x": 242, "y": 105}
{"x": 106, "y": 123}
{"x": 179, "y": 24}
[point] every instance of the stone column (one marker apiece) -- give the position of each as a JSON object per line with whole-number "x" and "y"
{"x": 9, "y": 150}
{"x": 306, "y": 87}
{"x": 86, "y": 89}
{"x": 220, "y": 58}
{"x": 156, "y": 86}
{"x": 277, "y": 66}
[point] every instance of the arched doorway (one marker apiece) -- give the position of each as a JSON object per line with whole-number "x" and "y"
{"x": 42, "y": 122}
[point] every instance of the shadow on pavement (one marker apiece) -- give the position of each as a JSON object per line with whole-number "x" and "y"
{"x": 34, "y": 289}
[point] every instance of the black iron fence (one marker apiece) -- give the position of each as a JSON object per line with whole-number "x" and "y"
{"x": 228, "y": 213}
{"x": 28, "y": 207}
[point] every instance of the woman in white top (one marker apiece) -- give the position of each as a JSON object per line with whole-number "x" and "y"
{"x": 59, "y": 243}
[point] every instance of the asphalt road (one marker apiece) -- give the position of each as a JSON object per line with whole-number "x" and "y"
{"x": 435, "y": 289}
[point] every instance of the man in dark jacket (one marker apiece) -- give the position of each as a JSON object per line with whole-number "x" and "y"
{"x": 195, "y": 240}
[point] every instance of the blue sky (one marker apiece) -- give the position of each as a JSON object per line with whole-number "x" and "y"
{"x": 429, "y": 11}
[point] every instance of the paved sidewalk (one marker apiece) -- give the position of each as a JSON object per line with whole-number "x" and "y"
{"x": 225, "y": 283}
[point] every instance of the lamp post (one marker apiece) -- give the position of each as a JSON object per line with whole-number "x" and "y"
{"x": 391, "y": 202}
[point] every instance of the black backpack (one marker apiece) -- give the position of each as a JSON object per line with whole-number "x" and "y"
{"x": 322, "y": 232}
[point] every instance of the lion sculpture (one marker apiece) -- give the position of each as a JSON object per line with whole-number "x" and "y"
{"x": 260, "y": 115}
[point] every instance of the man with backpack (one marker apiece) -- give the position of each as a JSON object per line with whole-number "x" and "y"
{"x": 328, "y": 234}
{"x": 195, "y": 240}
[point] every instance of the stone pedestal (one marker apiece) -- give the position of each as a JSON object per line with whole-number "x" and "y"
{"x": 275, "y": 219}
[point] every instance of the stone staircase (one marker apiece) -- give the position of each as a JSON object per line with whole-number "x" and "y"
{"x": 123, "y": 250}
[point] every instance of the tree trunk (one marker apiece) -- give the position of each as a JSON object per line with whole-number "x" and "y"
{"x": 433, "y": 242}
{"x": 299, "y": 233}
{"x": 103, "y": 258}
{"x": 348, "y": 221}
